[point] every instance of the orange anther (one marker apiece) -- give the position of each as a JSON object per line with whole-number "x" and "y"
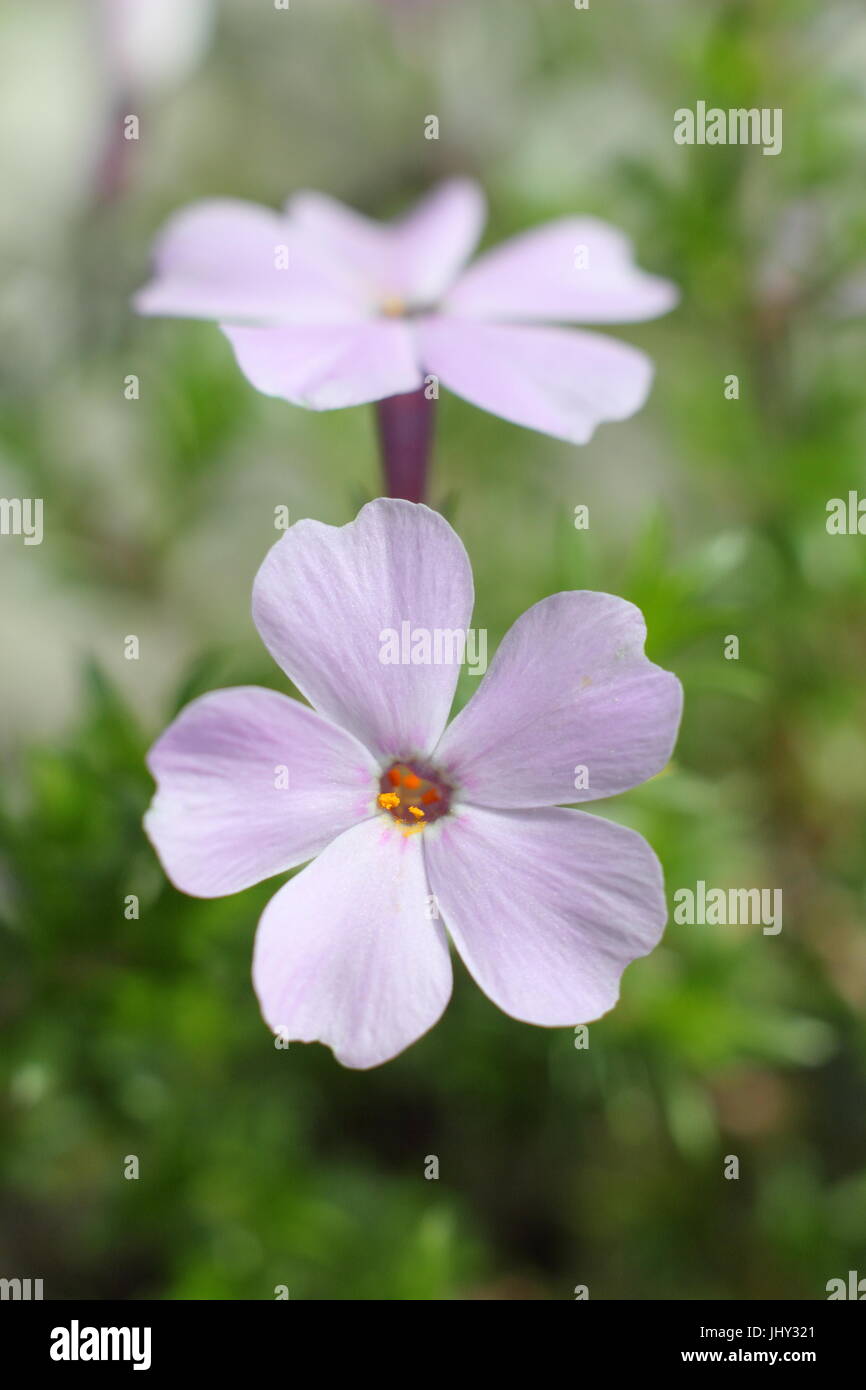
{"x": 394, "y": 776}
{"x": 411, "y": 780}
{"x": 430, "y": 796}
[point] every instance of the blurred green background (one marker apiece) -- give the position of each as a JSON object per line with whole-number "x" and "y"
{"x": 558, "y": 1166}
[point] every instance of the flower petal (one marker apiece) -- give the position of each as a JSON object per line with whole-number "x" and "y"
{"x": 228, "y": 259}
{"x": 328, "y": 366}
{"x": 435, "y": 240}
{"x": 576, "y": 270}
{"x": 360, "y": 246}
{"x": 561, "y": 381}
{"x": 414, "y": 259}
{"x": 345, "y": 953}
{"x": 569, "y": 687}
{"x": 221, "y": 820}
{"x": 546, "y": 908}
{"x": 326, "y": 597}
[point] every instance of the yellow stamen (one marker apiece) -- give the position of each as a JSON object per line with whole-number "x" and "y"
{"x": 413, "y": 797}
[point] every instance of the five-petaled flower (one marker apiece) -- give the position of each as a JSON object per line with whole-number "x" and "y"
{"x": 326, "y": 308}
{"x": 412, "y": 826}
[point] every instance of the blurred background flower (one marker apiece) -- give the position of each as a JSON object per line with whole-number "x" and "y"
{"x": 557, "y": 1165}
{"x": 326, "y": 308}
{"x": 145, "y": 49}
{"x": 149, "y": 47}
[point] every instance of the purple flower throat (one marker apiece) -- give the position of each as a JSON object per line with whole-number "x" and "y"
{"x": 414, "y": 794}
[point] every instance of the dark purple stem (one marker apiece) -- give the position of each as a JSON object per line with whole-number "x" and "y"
{"x": 113, "y": 167}
{"x": 405, "y": 439}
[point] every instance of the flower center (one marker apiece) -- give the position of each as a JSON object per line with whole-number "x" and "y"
{"x": 392, "y": 306}
{"x": 413, "y": 795}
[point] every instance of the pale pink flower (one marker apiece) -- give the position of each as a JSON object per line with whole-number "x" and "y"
{"x": 326, "y": 308}
{"x": 413, "y": 827}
